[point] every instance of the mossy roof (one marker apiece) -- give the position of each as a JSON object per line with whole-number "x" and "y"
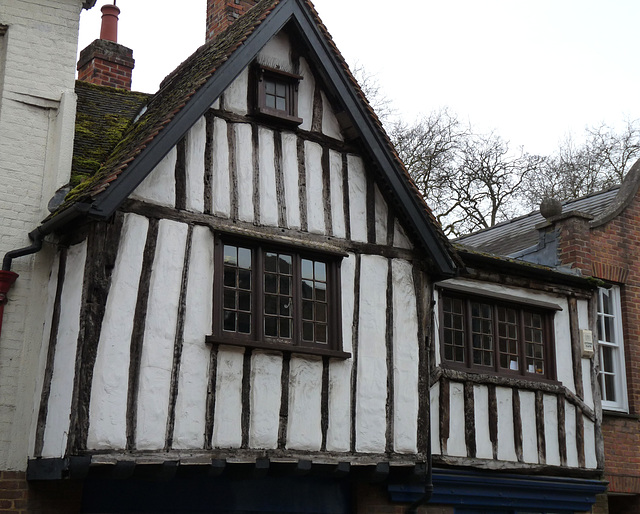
{"x": 181, "y": 85}
{"x": 103, "y": 115}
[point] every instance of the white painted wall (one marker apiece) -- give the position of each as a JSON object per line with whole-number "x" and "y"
{"x": 194, "y": 166}
{"x": 529, "y": 431}
{"x": 551, "y": 429}
{"x": 315, "y": 203}
{"x": 305, "y": 394}
{"x": 266, "y": 393}
{"x": 506, "y": 440}
{"x": 244, "y": 169}
{"x": 357, "y": 198}
{"x": 160, "y": 185}
{"x": 484, "y": 448}
{"x": 268, "y": 193}
{"x": 220, "y": 182}
{"x": 456, "y": 445}
{"x": 227, "y": 422}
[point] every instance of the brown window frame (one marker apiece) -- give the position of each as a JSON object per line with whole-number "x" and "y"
{"x": 257, "y": 337}
{"x": 547, "y": 316}
{"x": 263, "y": 75}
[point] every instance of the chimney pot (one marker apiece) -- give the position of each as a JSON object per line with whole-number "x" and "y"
{"x": 109, "y": 29}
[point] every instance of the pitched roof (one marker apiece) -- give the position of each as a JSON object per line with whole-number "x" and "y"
{"x": 513, "y": 236}
{"x": 189, "y": 91}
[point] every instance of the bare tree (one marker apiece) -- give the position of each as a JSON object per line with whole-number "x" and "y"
{"x": 372, "y": 90}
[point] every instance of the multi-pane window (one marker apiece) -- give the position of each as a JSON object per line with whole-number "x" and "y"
{"x": 485, "y": 335}
{"x": 612, "y": 367}
{"x": 277, "y": 94}
{"x": 276, "y": 296}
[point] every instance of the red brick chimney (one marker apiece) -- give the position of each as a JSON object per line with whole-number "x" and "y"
{"x": 105, "y": 62}
{"x": 222, "y": 13}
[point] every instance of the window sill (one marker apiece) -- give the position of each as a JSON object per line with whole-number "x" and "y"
{"x": 278, "y": 116}
{"x": 529, "y": 377}
{"x": 618, "y": 414}
{"x": 279, "y": 347}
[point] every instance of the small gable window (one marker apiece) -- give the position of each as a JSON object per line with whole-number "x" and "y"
{"x": 484, "y": 335}
{"x": 277, "y": 94}
{"x": 276, "y": 297}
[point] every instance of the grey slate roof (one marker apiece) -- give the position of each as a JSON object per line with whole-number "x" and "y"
{"x": 513, "y": 236}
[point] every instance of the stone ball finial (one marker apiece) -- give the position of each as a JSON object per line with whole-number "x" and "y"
{"x": 550, "y": 207}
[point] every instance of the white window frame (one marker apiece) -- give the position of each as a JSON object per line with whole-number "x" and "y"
{"x": 617, "y": 346}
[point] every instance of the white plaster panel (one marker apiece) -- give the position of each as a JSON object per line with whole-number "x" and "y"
{"x": 156, "y": 361}
{"x": 436, "y": 329}
{"x": 372, "y": 365}
{"x": 400, "y": 239}
{"x": 552, "y": 446}
{"x": 291, "y": 180}
{"x": 108, "y": 407}
{"x": 266, "y": 394}
{"x": 339, "y": 428}
{"x": 304, "y": 431}
{"x": 506, "y": 440}
{"x": 220, "y": 180}
{"x": 484, "y": 448}
{"x": 357, "y": 198}
{"x": 315, "y": 203}
{"x": 570, "y": 431}
{"x": 227, "y": 422}
{"x": 196, "y": 141}
{"x": 194, "y": 366}
{"x": 277, "y": 53}
{"x": 52, "y": 286}
{"x": 456, "y": 445}
{"x": 381, "y": 217}
{"x": 337, "y": 197}
{"x": 160, "y": 185}
{"x": 562, "y": 335}
{"x": 235, "y": 96}
{"x": 590, "y": 459}
{"x": 330, "y": 125}
{"x": 529, "y": 432}
{"x": 216, "y": 104}
{"x": 305, "y": 95}
{"x": 57, "y": 428}
{"x": 434, "y": 397}
{"x": 268, "y": 194}
{"x": 586, "y": 382}
{"x": 405, "y": 358}
{"x": 244, "y": 170}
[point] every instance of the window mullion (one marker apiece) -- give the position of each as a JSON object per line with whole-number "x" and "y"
{"x": 258, "y": 300}
{"x": 496, "y": 350}
{"x": 218, "y": 281}
{"x": 297, "y": 300}
{"x": 468, "y": 333}
{"x": 522, "y": 351}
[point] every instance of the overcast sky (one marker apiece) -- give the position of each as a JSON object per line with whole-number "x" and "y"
{"x": 532, "y": 70}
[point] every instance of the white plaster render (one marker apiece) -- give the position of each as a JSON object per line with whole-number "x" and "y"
{"x": 220, "y": 180}
{"x": 305, "y": 95}
{"x": 235, "y": 96}
{"x": 552, "y": 446}
{"x": 191, "y": 404}
{"x": 291, "y": 179}
{"x": 484, "y": 448}
{"x": 405, "y": 358}
{"x": 216, "y": 104}
{"x": 160, "y": 185}
{"x": 315, "y": 203}
{"x": 227, "y": 422}
{"x": 381, "y": 212}
{"x": 337, "y": 197}
{"x": 529, "y": 430}
{"x": 590, "y": 459}
{"x": 339, "y": 429}
{"x": 372, "y": 356}
{"x": 456, "y": 445}
{"x": 434, "y": 395}
{"x": 42, "y": 361}
{"x": 562, "y": 336}
{"x": 400, "y": 239}
{"x": 330, "y": 125}
{"x": 277, "y": 53}
{"x": 159, "y": 336}
{"x": 570, "y": 431}
{"x": 506, "y": 436}
{"x": 266, "y": 393}
{"x": 357, "y": 198}
{"x": 244, "y": 171}
{"x": 196, "y": 141}
{"x": 59, "y": 408}
{"x": 108, "y": 405}
{"x": 304, "y": 431}
{"x": 268, "y": 194}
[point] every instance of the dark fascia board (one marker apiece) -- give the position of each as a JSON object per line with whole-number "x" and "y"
{"x": 108, "y": 201}
{"x": 526, "y": 269}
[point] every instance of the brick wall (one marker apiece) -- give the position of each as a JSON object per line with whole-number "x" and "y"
{"x": 222, "y": 13}
{"x": 17, "y": 496}
{"x": 37, "y": 111}
{"x": 106, "y": 63}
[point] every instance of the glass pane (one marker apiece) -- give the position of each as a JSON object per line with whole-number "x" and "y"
{"x": 321, "y": 312}
{"x": 307, "y": 289}
{"x": 307, "y": 331}
{"x": 459, "y": 352}
{"x": 271, "y": 326}
{"x": 307, "y": 310}
{"x": 231, "y": 255}
{"x": 270, "y": 87}
{"x": 321, "y": 292}
{"x": 608, "y": 330}
{"x": 244, "y": 279}
{"x": 285, "y": 285}
{"x": 229, "y": 299}
{"x": 285, "y": 264}
{"x": 270, "y": 304}
{"x": 271, "y": 262}
{"x": 321, "y": 333}
{"x": 281, "y": 89}
{"x": 270, "y": 101}
{"x": 285, "y": 328}
{"x": 285, "y": 306}
{"x": 307, "y": 269}
{"x": 321, "y": 271}
{"x": 244, "y": 322}
{"x": 281, "y": 104}
{"x": 270, "y": 283}
{"x": 607, "y": 359}
{"x": 230, "y": 277}
{"x": 230, "y": 321}
{"x": 244, "y": 258}
{"x": 610, "y": 386}
{"x": 244, "y": 301}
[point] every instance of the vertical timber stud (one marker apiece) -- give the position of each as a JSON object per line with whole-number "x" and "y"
{"x": 345, "y": 196}
{"x": 389, "y": 345}
{"x": 580, "y": 437}
{"x": 233, "y": 170}
{"x": 595, "y": 387}
{"x": 302, "y": 184}
{"x": 181, "y": 175}
{"x": 354, "y": 335}
{"x": 316, "y": 117}
{"x": 208, "y": 162}
{"x": 326, "y": 191}
{"x": 102, "y": 250}
{"x": 178, "y": 343}
{"x": 211, "y": 397}
{"x": 324, "y": 403}
{"x": 576, "y": 354}
{"x": 517, "y": 423}
{"x": 284, "y": 401}
{"x": 255, "y": 144}
{"x": 246, "y": 397}
{"x": 371, "y": 209}
{"x": 137, "y": 334}
{"x": 469, "y": 420}
{"x": 280, "y": 191}
{"x": 51, "y": 354}
{"x": 562, "y": 430}
{"x": 445, "y": 409}
{"x": 542, "y": 445}
{"x": 493, "y": 420}
{"x": 423, "y": 316}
